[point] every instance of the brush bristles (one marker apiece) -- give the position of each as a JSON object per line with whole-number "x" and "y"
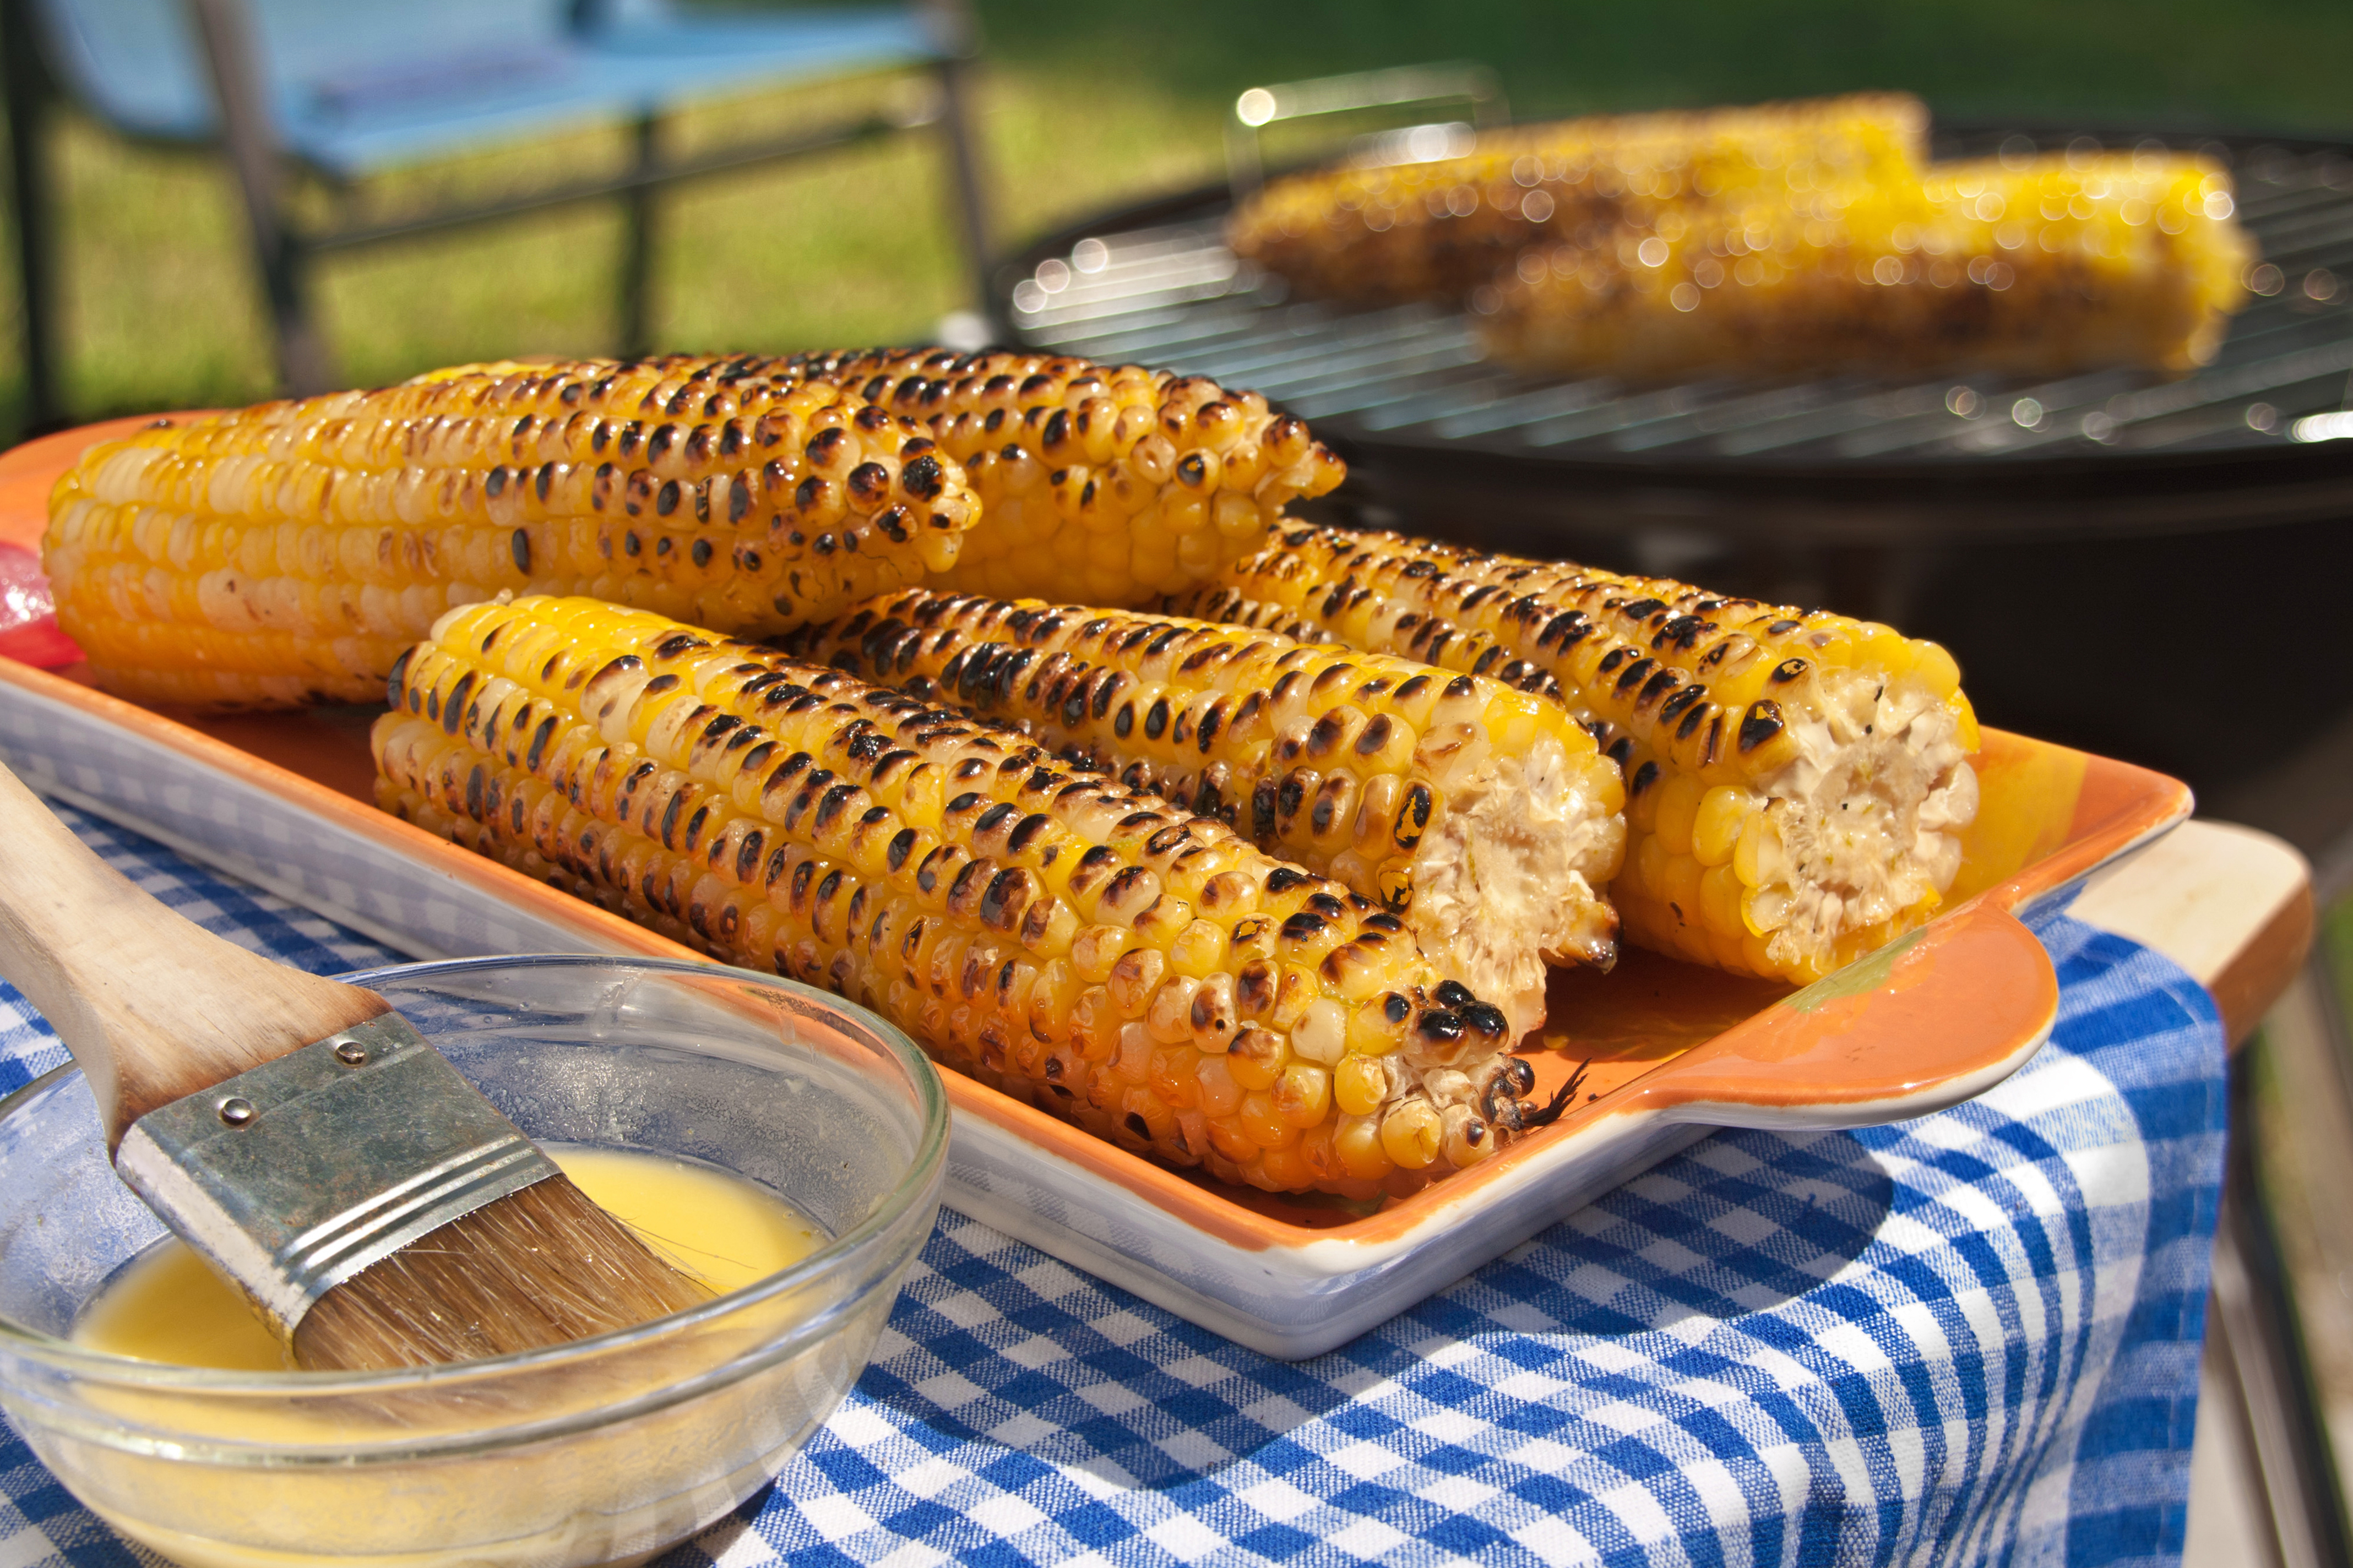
{"x": 541, "y": 1266}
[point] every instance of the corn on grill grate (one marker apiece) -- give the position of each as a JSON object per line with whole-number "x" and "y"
{"x": 1413, "y": 376}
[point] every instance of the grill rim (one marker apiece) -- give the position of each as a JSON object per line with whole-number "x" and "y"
{"x": 1956, "y": 496}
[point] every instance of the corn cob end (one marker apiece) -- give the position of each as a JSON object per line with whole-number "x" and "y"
{"x": 1796, "y": 783}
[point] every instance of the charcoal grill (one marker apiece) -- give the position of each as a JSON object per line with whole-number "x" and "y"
{"x": 1962, "y": 505}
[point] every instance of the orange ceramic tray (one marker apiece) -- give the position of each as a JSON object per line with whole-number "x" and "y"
{"x": 1674, "y": 1050}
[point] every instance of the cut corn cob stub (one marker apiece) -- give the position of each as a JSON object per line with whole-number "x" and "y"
{"x": 293, "y": 549}
{"x": 1103, "y": 484}
{"x": 1485, "y": 816}
{"x": 1797, "y": 782}
{"x": 2057, "y": 264}
{"x": 1438, "y": 228}
{"x": 1148, "y": 975}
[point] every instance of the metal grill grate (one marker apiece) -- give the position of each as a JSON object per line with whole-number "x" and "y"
{"x": 1160, "y": 288}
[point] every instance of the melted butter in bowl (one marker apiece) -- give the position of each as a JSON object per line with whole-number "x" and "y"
{"x": 740, "y": 1087}
{"x": 167, "y": 1306}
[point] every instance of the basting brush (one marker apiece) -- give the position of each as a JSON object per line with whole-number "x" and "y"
{"x": 370, "y": 1205}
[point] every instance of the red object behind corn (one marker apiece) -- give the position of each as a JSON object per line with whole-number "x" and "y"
{"x": 28, "y": 614}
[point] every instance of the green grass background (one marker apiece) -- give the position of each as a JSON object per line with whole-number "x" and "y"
{"x": 1084, "y": 106}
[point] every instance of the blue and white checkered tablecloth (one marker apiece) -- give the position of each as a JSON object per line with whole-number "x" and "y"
{"x": 1970, "y": 1337}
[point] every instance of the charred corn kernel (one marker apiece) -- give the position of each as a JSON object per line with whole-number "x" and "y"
{"x": 1465, "y": 1138}
{"x": 1482, "y": 815}
{"x": 1376, "y": 1031}
{"x": 1012, "y": 913}
{"x": 1255, "y": 1059}
{"x": 292, "y": 550}
{"x": 1834, "y": 797}
{"x": 1105, "y": 484}
{"x": 2060, "y": 264}
{"x": 1379, "y": 232}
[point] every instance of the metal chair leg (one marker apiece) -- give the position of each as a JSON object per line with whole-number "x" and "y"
{"x": 953, "y": 20}
{"x": 637, "y": 337}
{"x": 304, "y": 365}
{"x": 2304, "y": 1042}
{"x": 2257, "y": 1314}
{"x": 35, "y": 215}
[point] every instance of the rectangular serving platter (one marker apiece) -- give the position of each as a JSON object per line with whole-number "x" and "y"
{"x": 1670, "y": 1051}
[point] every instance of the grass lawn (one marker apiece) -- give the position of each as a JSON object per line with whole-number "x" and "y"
{"x": 1081, "y": 109}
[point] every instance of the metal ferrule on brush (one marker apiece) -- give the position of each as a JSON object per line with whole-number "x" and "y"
{"x": 295, "y": 1175}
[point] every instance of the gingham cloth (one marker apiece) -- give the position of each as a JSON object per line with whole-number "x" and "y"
{"x": 1970, "y": 1337}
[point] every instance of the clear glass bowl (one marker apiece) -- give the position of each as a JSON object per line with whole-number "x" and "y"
{"x": 603, "y": 1451}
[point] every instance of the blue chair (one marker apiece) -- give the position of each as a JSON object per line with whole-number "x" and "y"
{"x": 339, "y": 91}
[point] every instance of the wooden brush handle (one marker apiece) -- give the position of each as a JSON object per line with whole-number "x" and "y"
{"x": 152, "y": 1006}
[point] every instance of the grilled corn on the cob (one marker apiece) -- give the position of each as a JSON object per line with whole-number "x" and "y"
{"x": 2065, "y": 262}
{"x": 1796, "y": 781}
{"x": 1483, "y": 817}
{"x": 1147, "y": 974}
{"x": 1103, "y": 484}
{"x": 293, "y": 549}
{"x": 1440, "y": 228}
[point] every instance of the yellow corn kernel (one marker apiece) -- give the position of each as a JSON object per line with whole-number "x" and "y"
{"x": 1411, "y": 1135}
{"x": 1322, "y": 1033}
{"x": 1256, "y": 1058}
{"x": 1465, "y": 1138}
{"x": 1747, "y": 851}
{"x": 1723, "y": 812}
{"x": 1359, "y": 1085}
{"x": 1765, "y": 913}
{"x": 1200, "y": 949}
{"x": 1652, "y": 864}
{"x": 1303, "y": 1095}
{"x": 1358, "y": 1144}
{"x": 1966, "y": 716}
{"x": 1721, "y": 903}
{"x": 1679, "y": 800}
{"x": 1681, "y": 893}
{"x": 1283, "y": 1168}
{"x": 1936, "y": 671}
{"x": 1376, "y": 1031}
{"x": 1263, "y": 1121}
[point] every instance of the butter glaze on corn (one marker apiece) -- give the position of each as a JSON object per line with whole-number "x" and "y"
{"x": 1483, "y": 817}
{"x": 1147, "y": 973}
{"x": 1099, "y": 484}
{"x": 1797, "y": 782}
{"x": 292, "y": 550}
